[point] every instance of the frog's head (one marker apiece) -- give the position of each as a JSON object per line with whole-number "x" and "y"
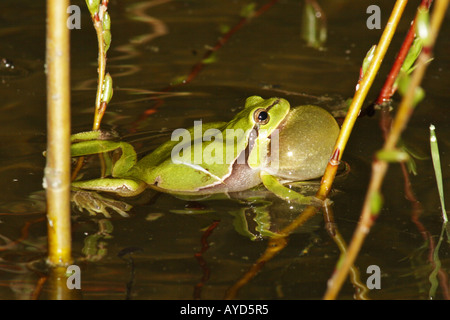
{"x": 259, "y": 119}
{"x": 264, "y": 115}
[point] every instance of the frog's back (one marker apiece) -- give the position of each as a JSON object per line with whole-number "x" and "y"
{"x": 165, "y": 169}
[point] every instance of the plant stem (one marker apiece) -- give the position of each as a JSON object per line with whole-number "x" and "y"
{"x": 57, "y": 170}
{"x": 387, "y": 90}
{"x": 379, "y": 167}
{"x": 98, "y": 115}
{"x": 359, "y": 97}
{"x": 100, "y": 106}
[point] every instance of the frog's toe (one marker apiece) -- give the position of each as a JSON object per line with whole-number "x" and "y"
{"x": 94, "y": 204}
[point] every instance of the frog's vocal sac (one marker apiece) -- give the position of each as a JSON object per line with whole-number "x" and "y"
{"x": 305, "y": 139}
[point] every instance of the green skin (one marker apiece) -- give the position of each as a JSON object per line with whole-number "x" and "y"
{"x": 306, "y": 139}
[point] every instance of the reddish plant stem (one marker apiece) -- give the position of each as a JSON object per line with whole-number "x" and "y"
{"x": 201, "y": 261}
{"x": 23, "y": 236}
{"x": 388, "y": 90}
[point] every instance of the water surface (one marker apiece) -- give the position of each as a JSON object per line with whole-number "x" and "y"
{"x": 157, "y": 253}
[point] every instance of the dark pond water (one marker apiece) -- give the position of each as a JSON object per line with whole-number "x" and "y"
{"x": 169, "y": 248}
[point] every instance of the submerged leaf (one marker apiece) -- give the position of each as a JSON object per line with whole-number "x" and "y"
{"x": 210, "y": 59}
{"x": 248, "y": 10}
{"x": 314, "y": 30}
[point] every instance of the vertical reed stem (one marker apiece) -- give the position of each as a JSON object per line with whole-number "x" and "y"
{"x": 57, "y": 170}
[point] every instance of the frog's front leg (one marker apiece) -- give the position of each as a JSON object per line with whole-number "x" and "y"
{"x": 126, "y": 161}
{"x": 119, "y": 183}
{"x": 273, "y": 185}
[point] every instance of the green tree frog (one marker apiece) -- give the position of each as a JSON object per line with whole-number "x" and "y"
{"x": 267, "y": 142}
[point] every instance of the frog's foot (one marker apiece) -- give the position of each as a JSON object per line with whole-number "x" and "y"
{"x": 94, "y": 203}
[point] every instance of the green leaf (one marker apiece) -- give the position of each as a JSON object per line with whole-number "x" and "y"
{"x": 210, "y": 59}
{"x": 392, "y": 155}
{"x": 423, "y": 25}
{"x": 437, "y": 169}
{"x": 93, "y": 6}
{"x": 248, "y": 10}
{"x": 107, "y": 92}
{"x": 178, "y": 80}
{"x": 106, "y": 23}
{"x": 107, "y": 39}
{"x": 403, "y": 84}
{"x": 412, "y": 55}
{"x": 368, "y": 59}
{"x": 223, "y": 28}
{"x": 376, "y": 202}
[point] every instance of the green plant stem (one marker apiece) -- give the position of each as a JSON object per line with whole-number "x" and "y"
{"x": 98, "y": 115}
{"x": 100, "y": 107}
{"x": 57, "y": 170}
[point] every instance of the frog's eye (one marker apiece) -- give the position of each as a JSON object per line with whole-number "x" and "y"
{"x": 261, "y": 116}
